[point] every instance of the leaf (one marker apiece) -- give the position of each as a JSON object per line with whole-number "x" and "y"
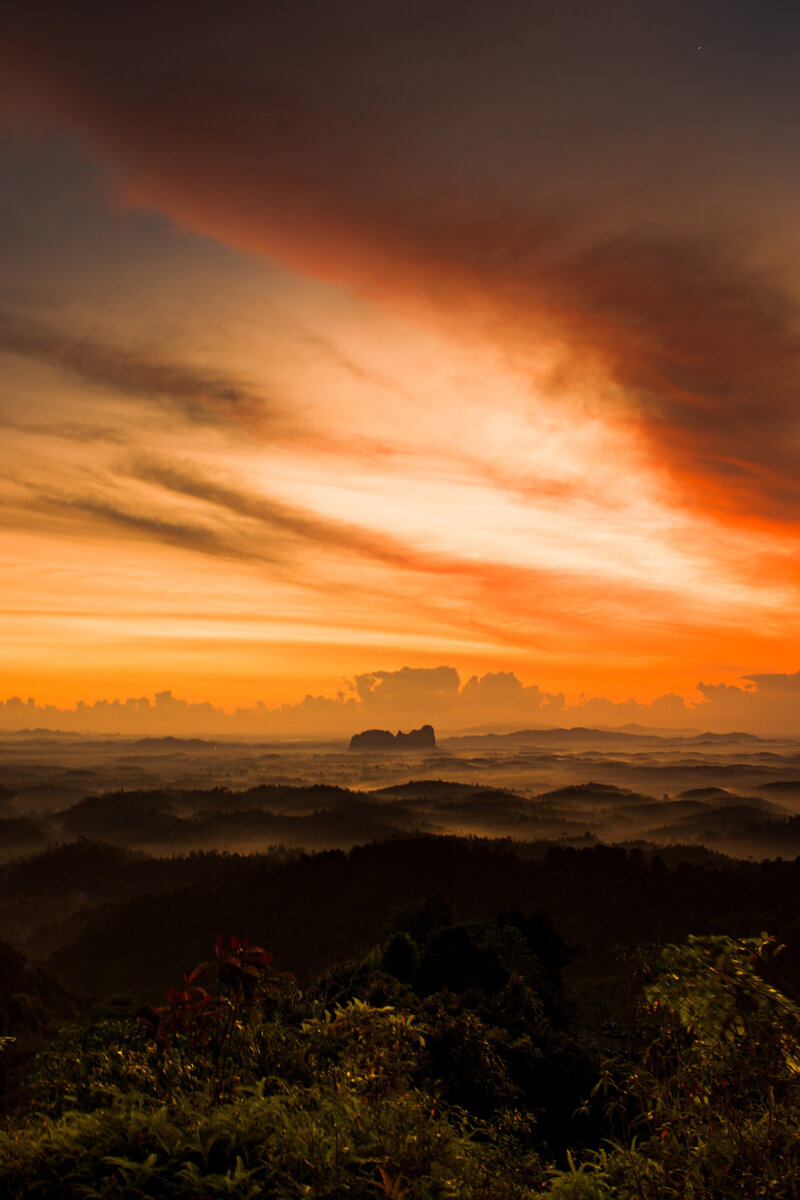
{"x": 200, "y": 970}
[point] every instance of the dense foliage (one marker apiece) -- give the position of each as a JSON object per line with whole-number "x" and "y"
{"x": 465, "y": 1021}
{"x": 448, "y": 1062}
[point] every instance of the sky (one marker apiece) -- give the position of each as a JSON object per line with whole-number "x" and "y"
{"x": 365, "y": 359}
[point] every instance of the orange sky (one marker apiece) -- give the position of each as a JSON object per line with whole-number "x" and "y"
{"x": 319, "y": 365}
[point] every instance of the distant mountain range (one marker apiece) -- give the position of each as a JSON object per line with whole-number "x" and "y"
{"x": 628, "y": 735}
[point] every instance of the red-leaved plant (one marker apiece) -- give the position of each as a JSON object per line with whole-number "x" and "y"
{"x": 206, "y": 1024}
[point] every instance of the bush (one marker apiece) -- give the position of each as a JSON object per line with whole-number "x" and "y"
{"x": 712, "y": 1107}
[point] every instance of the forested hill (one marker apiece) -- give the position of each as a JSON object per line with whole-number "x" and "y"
{"x": 314, "y": 910}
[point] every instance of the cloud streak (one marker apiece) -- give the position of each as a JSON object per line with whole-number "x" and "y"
{"x": 185, "y": 534}
{"x": 507, "y": 583}
{"x": 208, "y": 398}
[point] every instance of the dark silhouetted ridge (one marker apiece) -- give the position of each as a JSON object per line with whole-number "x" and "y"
{"x": 381, "y": 739}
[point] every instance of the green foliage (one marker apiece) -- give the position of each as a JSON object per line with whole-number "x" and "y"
{"x": 719, "y": 992}
{"x": 83, "y": 1068}
{"x": 582, "y": 1181}
{"x": 240, "y": 1087}
{"x": 319, "y": 1142}
{"x": 712, "y": 1106}
{"x": 243, "y": 1085}
{"x": 357, "y": 1127}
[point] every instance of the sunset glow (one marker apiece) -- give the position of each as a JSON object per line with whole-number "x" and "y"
{"x": 305, "y": 381}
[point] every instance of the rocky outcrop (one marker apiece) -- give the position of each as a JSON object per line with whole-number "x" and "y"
{"x": 382, "y": 739}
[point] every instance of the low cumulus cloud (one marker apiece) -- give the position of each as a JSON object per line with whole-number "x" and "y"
{"x": 500, "y": 697}
{"x": 763, "y": 702}
{"x": 411, "y": 690}
{"x": 767, "y": 705}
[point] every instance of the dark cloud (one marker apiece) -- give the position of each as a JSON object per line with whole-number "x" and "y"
{"x": 185, "y": 534}
{"x": 205, "y": 397}
{"x": 708, "y": 356}
{"x": 570, "y": 172}
{"x": 69, "y": 430}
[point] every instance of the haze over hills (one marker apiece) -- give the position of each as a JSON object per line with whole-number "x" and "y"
{"x": 95, "y": 831}
{"x": 158, "y": 794}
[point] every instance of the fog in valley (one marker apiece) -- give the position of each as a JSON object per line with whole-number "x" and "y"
{"x": 67, "y": 802}
{"x": 734, "y": 793}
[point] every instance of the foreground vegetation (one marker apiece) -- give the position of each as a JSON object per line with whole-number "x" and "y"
{"x": 446, "y": 1062}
